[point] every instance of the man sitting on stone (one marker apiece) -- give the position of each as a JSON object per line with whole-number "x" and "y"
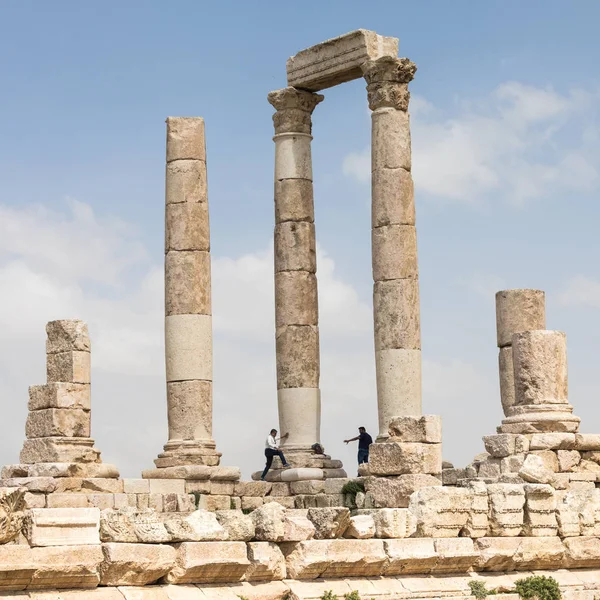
{"x": 364, "y": 441}
{"x": 271, "y": 450}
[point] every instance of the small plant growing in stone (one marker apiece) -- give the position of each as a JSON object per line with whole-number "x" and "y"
{"x": 197, "y": 496}
{"x": 539, "y": 587}
{"x": 353, "y": 595}
{"x": 353, "y": 487}
{"x": 479, "y": 590}
{"x": 329, "y": 595}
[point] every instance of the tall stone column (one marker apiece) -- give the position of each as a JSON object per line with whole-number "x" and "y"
{"x": 516, "y": 310}
{"x": 188, "y": 315}
{"x": 396, "y": 311}
{"x": 296, "y": 306}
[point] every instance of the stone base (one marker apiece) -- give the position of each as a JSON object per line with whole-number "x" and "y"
{"x": 300, "y": 474}
{"x": 306, "y": 465}
{"x": 60, "y": 449}
{"x": 546, "y": 418}
{"x": 194, "y": 473}
{"x": 178, "y": 453}
{"x": 61, "y": 469}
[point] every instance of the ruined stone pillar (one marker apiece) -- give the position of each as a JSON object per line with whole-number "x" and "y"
{"x": 396, "y": 311}
{"x": 516, "y": 310}
{"x": 296, "y": 306}
{"x": 188, "y": 316}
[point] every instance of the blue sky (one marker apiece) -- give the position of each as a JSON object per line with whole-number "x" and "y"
{"x": 506, "y": 139}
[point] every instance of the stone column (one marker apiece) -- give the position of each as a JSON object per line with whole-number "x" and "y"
{"x": 188, "y": 316}
{"x": 296, "y": 307}
{"x": 516, "y": 311}
{"x": 396, "y": 311}
{"x": 541, "y": 385}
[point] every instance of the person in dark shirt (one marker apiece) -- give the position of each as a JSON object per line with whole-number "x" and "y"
{"x": 364, "y": 441}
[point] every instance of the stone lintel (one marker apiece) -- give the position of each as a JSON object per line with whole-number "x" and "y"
{"x": 337, "y": 60}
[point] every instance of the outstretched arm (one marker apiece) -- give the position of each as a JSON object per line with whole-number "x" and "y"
{"x": 352, "y": 439}
{"x": 282, "y": 437}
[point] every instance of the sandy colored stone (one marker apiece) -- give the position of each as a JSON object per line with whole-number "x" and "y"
{"x": 391, "y": 458}
{"x": 293, "y": 158}
{"x": 298, "y": 357}
{"x": 67, "y": 336}
{"x": 506, "y": 515}
{"x": 252, "y": 488}
{"x": 187, "y": 283}
{"x": 237, "y": 525}
{"x": 45, "y": 485}
{"x": 269, "y": 522}
{"x": 188, "y": 342}
{"x": 552, "y": 441}
{"x": 185, "y": 138}
{"x": 199, "y": 526}
{"x": 68, "y": 367}
{"x": 297, "y": 527}
{"x": 190, "y": 410}
{"x": 394, "y": 523}
{"x": 582, "y": 552}
{"x": 587, "y": 441}
{"x": 307, "y": 487}
{"x": 59, "y": 449}
{"x": 395, "y": 492}
{"x": 507, "y": 378}
{"x": 540, "y": 361}
{"x": 396, "y": 314}
{"x": 534, "y": 470}
{"x": 63, "y": 470}
{"x": 441, "y": 511}
{"x": 63, "y": 526}
{"x": 394, "y": 252}
{"x": 423, "y": 429}
{"x": 209, "y": 562}
{"x": 267, "y": 562}
{"x": 337, "y": 60}
{"x": 477, "y": 524}
{"x": 390, "y": 139}
{"x": 500, "y": 445}
{"x": 58, "y": 422}
{"x": 361, "y": 527}
{"x": 455, "y": 555}
{"x": 540, "y": 509}
{"x": 549, "y": 458}
{"x": 407, "y": 556}
{"x": 135, "y": 564}
{"x": 392, "y": 197}
{"x": 296, "y": 300}
{"x": 59, "y": 395}
{"x": 295, "y": 247}
{"x": 187, "y": 226}
{"x": 329, "y": 523}
{"x": 510, "y": 554}
{"x": 294, "y": 200}
{"x": 186, "y": 182}
{"x": 518, "y": 310}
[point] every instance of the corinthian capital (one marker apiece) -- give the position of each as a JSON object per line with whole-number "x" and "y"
{"x": 294, "y": 109}
{"x": 387, "y": 82}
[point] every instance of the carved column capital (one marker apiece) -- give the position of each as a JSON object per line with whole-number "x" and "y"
{"x": 294, "y": 109}
{"x": 387, "y": 82}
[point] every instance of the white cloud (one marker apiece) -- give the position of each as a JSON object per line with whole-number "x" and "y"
{"x": 520, "y": 141}
{"x": 581, "y": 291}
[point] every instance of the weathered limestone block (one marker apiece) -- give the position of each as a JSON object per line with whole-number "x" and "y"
{"x": 59, "y": 395}
{"x": 189, "y": 342}
{"x": 535, "y": 470}
{"x": 187, "y": 283}
{"x": 397, "y": 314}
{"x": 478, "y": 521}
{"x": 329, "y": 522}
{"x": 512, "y": 464}
{"x": 390, "y": 124}
{"x": 209, "y": 562}
{"x": 506, "y": 503}
{"x": 130, "y": 525}
{"x": 237, "y": 525}
{"x": 540, "y": 511}
{"x": 185, "y": 138}
{"x": 199, "y": 526}
{"x": 394, "y": 251}
{"x": 392, "y": 198}
{"x": 587, "y": 441}
{"x": 296, "y": 298}
{"x": 187, "y": 226}
{"x": 518, "y": 310}
{"x": 337, "y": 60}
{"x": 361, "y": 527}
{"x": 73, "y": 470}
{"x": 294, "y": 200}
{"x": 441, "y": 511}
{"x": 267, "y": 562}
{"x": 269, "y": 522}
{"x": 135, "y": 564}
{"x": 186, "y": 182}
{"x": 425, "y": 429}
{"x": 413, "y": 555}
{"x": 12, "y": 505}
{"x": 582, "y": 552}
{"x": 387, "y": 492}
{"x": 490, "y": 468}
{"x": 334, "y": 558}
{"x": 500, "y": 445}
{"x": 298, "y": 357}
{"x": 59, "y": 449}
{"x": 67, "y": 335}
{"x": 511, "y": 554}
{"x": 392, "y": 458}
{"x": 552, "y": 441}
{"x": 455, "y": 555}
{"x": 549, "y": 459}
{"x": 252, "y": 488}
{"x": 297, "y": 527}
{"x": 57, "y": 422}
{"x": 540, "y": 361}
{"x": 394, "y": 523}
{"x": 68, "y": 367}
{"x": 188, "y": 399}
{"x": 507, "y": 378}
{"x": 63, "y": 526}
{"x": 295, "y": 248}
{"x": 45, "y": 485}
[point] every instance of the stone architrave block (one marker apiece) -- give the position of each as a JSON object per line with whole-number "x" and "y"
{"x": 59, "y": 395}
{"x": 441, "y": 511}
{"x": 63, "y": 526}
{"x": 394, "y": 523}
{"x": 68, "y": 367}
{"x": 337, "y": 60}
{"x": 478, "y": 521}
{"x": 67, "y": 336}
{"x": 518, "y": 310}
{"x": 135, "y": 564}
{"x": 506, "y": 515}
{"x": 209, "y": 562}
{"x": 518, "y": 553}
{"x": 412, "y": 555}
{"x": 267, "y": 562}
{"x": 582, "y": 552}
{"x": 540, "y": 511}
{"x": 426, "y": 429}
{"x": 455, "y": 555}
{"x": 58, "y": 422}
{"x": 185, "y": 138}
{"x": 392, "y": 458}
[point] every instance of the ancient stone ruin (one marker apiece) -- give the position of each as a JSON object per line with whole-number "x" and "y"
{"x": 411, "y": 525}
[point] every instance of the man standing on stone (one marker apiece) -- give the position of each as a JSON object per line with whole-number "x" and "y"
{"x": 272, "y": 450}
{"x": 364, "y": 441}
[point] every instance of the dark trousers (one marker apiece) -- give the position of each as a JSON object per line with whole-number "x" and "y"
{"x": 270, "y": 453}
{"x": 363, "y": 456}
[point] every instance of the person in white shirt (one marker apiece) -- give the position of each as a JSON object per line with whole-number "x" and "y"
{"x": 271, "y": 450}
